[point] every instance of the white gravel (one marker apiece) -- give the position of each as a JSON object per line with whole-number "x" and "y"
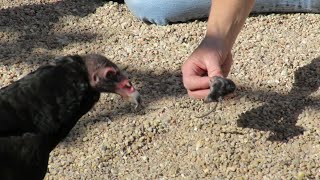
{"x": 269, "y": 130}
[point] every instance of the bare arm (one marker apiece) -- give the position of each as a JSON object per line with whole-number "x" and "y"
{"x": 213, "y": 56}
{"x": 226, "y": 20}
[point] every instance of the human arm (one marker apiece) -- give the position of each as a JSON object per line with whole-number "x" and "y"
{"x": 213, "y": 56}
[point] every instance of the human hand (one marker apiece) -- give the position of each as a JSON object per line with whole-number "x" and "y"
{"x": 209, "y": 59}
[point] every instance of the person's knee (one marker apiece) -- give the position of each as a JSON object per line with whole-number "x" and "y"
{"x": 149, "y": 10}
{"x": 163, "y": 12}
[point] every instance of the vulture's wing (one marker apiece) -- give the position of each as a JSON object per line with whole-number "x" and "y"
{"x": 43, "y": 100}
{"x": 23, "y": 157}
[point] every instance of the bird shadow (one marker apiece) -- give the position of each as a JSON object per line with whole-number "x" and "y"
{"x": 33, "y": 26}
{"x": 152, "y": 86}
{"x": 278, "y": 115}
{"x": 280, "y": 112}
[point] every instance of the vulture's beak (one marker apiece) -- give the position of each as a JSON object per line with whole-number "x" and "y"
{"x": 126, "y": 90}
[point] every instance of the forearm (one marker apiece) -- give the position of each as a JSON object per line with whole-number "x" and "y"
{"x": 226, "y": 20}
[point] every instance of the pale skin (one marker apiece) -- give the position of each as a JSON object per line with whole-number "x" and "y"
{"x": 213, "y": 56}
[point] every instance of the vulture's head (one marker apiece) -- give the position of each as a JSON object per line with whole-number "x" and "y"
{"x": 105, "y": 76}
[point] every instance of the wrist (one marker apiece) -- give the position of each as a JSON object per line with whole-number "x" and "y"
{"x": 226, "y": 20}
{"x": 216, "y": 44}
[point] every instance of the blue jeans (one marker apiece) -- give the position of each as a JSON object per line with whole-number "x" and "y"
{"x": 162, "y": 12}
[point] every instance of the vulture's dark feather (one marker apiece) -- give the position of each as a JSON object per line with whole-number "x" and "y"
{"x": 26, "y": 158}
{"x": 39, "y": 110}
{"x": 45, "y": 100}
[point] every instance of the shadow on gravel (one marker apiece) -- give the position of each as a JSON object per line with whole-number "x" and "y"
{"x": 280, "y": 113}
{"x": 152, "y": 87}
{"x": 33, "y": 24}
{"x": 117, "y": 1}
{"x": 155, "y": 86}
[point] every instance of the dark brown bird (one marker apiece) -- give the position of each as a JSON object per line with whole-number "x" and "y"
{"x": 219, "y": 88}
{"x": 39, "y": 110}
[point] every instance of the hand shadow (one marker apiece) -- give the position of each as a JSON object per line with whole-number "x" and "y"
{"x": 280, "y": 114}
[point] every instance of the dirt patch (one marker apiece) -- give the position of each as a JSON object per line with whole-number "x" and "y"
{"x": 269, "y": 130}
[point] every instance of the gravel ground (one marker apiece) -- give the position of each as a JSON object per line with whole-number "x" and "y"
{"x": 269, "y": 130}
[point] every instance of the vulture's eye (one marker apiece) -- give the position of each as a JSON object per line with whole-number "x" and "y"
{"x": 110, "y": 74}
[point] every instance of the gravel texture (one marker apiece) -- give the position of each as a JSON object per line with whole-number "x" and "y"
{"x": 270, "y": 129}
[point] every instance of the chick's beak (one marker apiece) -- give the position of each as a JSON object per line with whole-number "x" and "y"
{"x": 126, "y": 90}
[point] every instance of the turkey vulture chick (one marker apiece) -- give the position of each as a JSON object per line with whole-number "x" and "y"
{"x": 220, "y": 87}
{"x": 39, "y": 110}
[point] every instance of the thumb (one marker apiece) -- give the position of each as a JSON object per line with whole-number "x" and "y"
{"x": 213, "y": 67}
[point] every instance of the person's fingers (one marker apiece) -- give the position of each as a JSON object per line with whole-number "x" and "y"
{"x": 202, "y": 66}
{"x": 213, "y": 67}
{"x": 195, "y": 82}
{"x": 199, "y": 94}
{"x": 192, "y": 76}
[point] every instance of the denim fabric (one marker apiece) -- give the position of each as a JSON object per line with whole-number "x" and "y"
{"x": 162, "y": 12}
